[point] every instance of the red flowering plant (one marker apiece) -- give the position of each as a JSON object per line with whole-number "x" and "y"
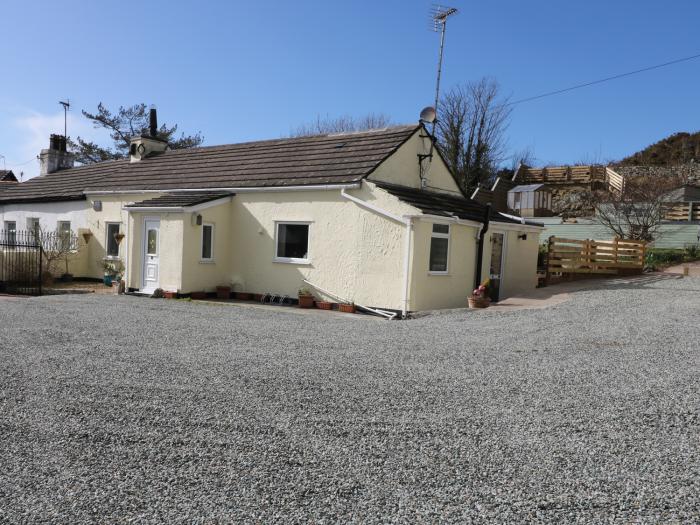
{"x": 482, "y": 291}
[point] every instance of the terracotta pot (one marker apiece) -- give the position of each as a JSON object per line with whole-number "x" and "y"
{"x": 223, "y": 292}
{"x": 306, "y": 301}
{"x": 476, "y": 301}
{"x": 347, "y": 308}
{"x": 170, "y": 295}
{"x": 198, "y": 295}
{"x": 244, "y": 296}
{"x": 324, "y": 305}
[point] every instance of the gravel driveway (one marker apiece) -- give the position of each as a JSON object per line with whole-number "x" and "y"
{"x": 124, "y": 409}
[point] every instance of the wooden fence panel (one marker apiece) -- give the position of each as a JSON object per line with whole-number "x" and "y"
{"x": 574, "y": 256}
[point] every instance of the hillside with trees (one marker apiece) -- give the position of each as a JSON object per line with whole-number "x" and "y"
{"x": 676, "y": 149}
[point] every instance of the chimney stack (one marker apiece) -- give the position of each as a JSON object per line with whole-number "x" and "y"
{"x": 146, "y": 145}
{"x": 56, "y": 157}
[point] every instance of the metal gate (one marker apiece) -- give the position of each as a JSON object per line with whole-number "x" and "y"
{"x": 20, "y": 262}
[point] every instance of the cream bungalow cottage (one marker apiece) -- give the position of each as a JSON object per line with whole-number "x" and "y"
{"x": 373, "y": 217}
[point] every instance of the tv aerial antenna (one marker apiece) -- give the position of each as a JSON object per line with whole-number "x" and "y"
{"x": 66, "y": 107}
{"x": 439, "y": 16}
{"x": 429, "y": 115}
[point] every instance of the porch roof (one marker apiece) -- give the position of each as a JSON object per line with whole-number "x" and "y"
{"x": 434, "y": 203}
{"x": 180, "y": 199}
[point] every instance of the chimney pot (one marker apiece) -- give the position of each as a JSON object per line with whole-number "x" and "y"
{"x": 153, "y": 122}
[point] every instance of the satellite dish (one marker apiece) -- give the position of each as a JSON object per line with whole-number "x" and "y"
{"x": 428, "y": 115}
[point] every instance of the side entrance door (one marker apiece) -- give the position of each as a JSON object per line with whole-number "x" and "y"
{"x": 151, "y": 255}
{"x": 496, "y": 270}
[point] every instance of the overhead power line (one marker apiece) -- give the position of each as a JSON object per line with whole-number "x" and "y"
{"x": 600, "y": 81}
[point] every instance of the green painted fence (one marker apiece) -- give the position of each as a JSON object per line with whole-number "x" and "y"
{"x": 671, "y": 234}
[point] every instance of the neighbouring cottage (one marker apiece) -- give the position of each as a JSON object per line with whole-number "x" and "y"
{"x": 374, "y": 217}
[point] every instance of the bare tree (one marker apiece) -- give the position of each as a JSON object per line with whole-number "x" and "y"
{"x": 638, "y": 212}
{"x": 56, "y": 247}
{"x": 471, "y": 129}
{"x": 524, "y": 156}
{"x": 343, "y": 124}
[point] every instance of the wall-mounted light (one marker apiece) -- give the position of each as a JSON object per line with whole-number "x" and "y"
{"x": 523, "y": 236}
{"x": 196, "y": 219}
{"x": 97, "y": 205}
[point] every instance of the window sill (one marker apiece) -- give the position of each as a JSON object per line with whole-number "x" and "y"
{"x": 303, "y": 262}
{"x": 439, "y": 274}
{"x": 207, "y": 261}
{"x": 112, "y": 258}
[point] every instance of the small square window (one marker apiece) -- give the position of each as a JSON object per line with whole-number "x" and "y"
{"x": 207, "y": 242}
{"x": 292, "y": 242}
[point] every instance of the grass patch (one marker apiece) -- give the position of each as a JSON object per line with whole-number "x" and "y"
{"x": 663, "y": 257}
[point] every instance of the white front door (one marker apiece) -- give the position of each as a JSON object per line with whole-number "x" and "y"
{"x": 151, "y": 253}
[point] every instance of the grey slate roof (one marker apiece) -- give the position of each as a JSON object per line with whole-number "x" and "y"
{"x": 434, "y": 203}
{"x": 180, "y": 199}
{"x": 321, "y": 159}
{"x": 687, "y": 192}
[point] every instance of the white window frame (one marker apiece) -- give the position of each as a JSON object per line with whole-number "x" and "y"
{"x": 70, "y": 229}
{"x": 292, "y": 260}
{"x": 437, "y": 235}
{"x": 201, "y": 243}
{"x": 10, "y": 239}
{"x": 119, "y": 248}
{"x": 31, "y": 220}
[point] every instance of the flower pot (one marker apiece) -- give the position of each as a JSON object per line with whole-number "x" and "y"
{"x": 170, "y": 295}
{"x": 198, "y": 295}
{"x": 306, "y": 301}
{"x": 324, "y": 305}
{"x": 107, "y": 280}
{"x": 244, "y": 296}
{"x": 347, "y": 308}
{"x": 477, "y": 301}
{"x": 223, "y": 292}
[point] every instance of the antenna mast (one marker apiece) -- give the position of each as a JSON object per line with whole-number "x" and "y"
{"x": 66, "y": 106}
{"x": 439, "y": 17}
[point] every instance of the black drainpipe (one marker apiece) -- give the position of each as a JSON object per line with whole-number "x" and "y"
{"x": 480, "y": 249}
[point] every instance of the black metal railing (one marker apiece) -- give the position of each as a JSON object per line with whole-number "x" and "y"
{"x": 21, "y": 262}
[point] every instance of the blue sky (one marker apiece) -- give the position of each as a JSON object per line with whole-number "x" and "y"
{"x": 246, "y": 70}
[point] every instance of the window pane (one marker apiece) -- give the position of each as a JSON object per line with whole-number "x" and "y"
{"x": 293, "y": 241}
{"x": 152, "y": 242}
{"x": 438, "y": 254}
{"x": 112, "y": 244}
{"x": 441, "y": 228}
{"x": 10, "y": 232}
{"x": 206, "y": 242}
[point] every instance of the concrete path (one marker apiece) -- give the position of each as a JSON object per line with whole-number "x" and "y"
{"x": 693, "y": 269}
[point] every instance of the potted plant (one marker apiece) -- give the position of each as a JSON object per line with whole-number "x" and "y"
{"x": 112, "y": 271}
{"x": 480, "y": 296}
{"x": 306, "y": 298}
{"x": 348, "y": 308}
{"x": 223, "y": 292}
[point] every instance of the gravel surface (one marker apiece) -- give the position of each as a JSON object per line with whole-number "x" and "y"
{"x": 125, "y": 409}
